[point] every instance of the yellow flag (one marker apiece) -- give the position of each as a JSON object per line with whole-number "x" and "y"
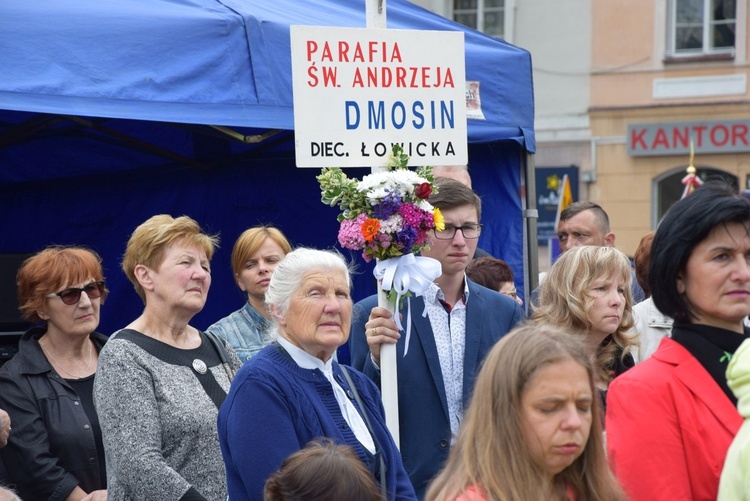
{"x": 565, "y": 195}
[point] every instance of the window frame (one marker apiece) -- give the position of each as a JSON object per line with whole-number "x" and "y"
{"x": 507, "y": 11}
{"x": 708, "y": 22}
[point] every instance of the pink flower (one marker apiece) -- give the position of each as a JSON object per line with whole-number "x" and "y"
{"x": 411, "y": 215}
{"x": 422, "y": 238}
{"x": 350, "y": 233}
{"x": 384, "y": 240}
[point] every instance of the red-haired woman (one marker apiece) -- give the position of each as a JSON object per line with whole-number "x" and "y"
{"x": 55, "y": 451}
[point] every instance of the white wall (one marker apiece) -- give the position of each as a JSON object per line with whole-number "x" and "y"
{"x": 557, "y": 33}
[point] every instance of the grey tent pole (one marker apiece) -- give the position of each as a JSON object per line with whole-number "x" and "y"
{"x": 530, "y": 219}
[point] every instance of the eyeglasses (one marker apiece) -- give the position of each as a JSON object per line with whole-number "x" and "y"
{"x": 513, "y": 293}
{"x": 469, "y": 231}
{"x": 72, "y": 295}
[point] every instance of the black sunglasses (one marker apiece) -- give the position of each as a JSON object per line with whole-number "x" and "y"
{"x": 72, "y": 295}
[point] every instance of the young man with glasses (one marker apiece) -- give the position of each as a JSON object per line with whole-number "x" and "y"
{"x": 461, "y": 322}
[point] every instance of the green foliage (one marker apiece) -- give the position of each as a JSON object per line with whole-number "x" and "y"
{"x": 337, "y": 189}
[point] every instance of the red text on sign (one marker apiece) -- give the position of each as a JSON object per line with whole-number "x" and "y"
{"x": 343, "y": 52}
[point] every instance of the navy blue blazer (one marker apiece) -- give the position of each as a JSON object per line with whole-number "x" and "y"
{"x": 423, "y": 407}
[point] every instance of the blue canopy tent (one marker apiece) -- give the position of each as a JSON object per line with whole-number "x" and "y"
{"x": 112, "y": 111}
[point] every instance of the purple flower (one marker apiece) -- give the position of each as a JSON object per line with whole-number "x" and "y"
{"x": 388, "y": 206}
{"x": 428, "y": 219}
{"x": 406, "y": 237}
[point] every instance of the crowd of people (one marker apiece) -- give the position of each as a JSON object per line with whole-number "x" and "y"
{"x": 619, "y": 384}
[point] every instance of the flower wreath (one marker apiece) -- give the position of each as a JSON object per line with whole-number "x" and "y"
{"x": 386, "y": 215}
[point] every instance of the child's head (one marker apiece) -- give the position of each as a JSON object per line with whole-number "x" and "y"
{"x": 322, "y": 471}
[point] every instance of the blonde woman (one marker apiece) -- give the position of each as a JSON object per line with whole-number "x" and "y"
{"x": 587, "y": 291}
{"x": 160, "y": 380}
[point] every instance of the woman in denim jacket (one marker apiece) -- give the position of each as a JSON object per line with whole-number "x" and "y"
{"x": 254, "y": 256}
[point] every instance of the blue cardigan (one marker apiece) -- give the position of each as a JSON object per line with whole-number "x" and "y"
{"x": 274, "y": 408}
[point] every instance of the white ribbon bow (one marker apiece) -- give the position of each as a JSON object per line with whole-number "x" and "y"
{"x": 406, "y": 273}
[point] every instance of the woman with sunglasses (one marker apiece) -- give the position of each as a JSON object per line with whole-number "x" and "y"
{"x": 55, "y": 449}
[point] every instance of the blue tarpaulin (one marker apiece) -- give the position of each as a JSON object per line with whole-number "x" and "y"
{"x": 106, "y": 108}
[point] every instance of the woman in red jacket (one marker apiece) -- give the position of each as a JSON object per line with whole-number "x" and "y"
{"x": 671, "y": 419}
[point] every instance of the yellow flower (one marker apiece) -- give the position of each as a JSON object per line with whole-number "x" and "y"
{"x": 439, "y": 219}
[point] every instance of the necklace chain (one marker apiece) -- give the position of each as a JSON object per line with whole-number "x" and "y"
{"x": 85, "y": 371}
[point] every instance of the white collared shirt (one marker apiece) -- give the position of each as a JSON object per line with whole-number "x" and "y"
{"x": 348, "y": 410}
{"x": 449, "y": 331}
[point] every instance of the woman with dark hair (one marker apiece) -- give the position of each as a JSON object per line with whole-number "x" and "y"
{"x": 55, "y": 451}
{"x": 671, "y": 419}
{"x": 532, "y": 430}
{"x": 494, "y": 274}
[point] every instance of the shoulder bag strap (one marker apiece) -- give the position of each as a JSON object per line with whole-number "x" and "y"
{"x": 383, "y": 487}
{"x": 221, "y": 349}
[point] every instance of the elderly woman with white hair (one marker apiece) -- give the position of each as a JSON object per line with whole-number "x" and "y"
{"x": 293, "y": 391}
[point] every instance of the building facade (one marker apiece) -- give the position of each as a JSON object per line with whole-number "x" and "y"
{"x": 625, "y": 88}
{"x": 666, "y": 74}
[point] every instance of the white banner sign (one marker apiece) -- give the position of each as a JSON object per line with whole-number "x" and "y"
{"x": 359, "y": 91}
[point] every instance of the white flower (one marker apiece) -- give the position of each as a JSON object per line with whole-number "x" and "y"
{"x": 371, "y": 181}
{"x": 424, "y": 205}
{"x": 393, "y": 224}
{"x": 377, "y": 195}
{"x": 401, "y": 181}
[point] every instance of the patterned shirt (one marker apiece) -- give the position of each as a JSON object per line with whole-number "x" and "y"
{"x": 246, "y": 330}
{"x": 449, "y": 330}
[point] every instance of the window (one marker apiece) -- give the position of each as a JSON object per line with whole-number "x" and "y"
{"x": 701, "y": 27}
{"x": 487, "y": 16}
{"x": 669, "y": 187}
